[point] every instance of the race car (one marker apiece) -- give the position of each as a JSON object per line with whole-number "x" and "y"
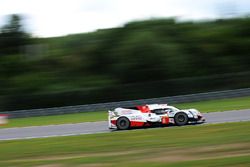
{"x": 150, "y": 115}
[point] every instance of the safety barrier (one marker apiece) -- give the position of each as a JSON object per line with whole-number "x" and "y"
{"x": 111, "y": 105}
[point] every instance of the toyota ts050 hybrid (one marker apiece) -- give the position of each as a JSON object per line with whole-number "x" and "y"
{"x": 150, "y": 115}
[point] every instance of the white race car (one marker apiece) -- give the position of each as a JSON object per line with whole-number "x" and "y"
{"x": 150, "y": 115}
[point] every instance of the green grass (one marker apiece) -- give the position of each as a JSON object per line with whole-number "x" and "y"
{"x": 207, "y": 145}
{"x": 57, "y": 119}
{"x": 204, "y": 106}
{"x": 219, "y": 105}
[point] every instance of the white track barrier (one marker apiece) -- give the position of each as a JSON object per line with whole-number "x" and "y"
{"x": 3, "y": 119}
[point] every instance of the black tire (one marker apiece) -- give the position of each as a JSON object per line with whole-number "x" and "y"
{"x": 181, "y": 119}
{"x": 123, "y": 123}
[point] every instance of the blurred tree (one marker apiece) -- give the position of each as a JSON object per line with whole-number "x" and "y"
{"x": 142, "y": 59}
{"x": 12, "y": 36}
{"x": 139, "y": 58}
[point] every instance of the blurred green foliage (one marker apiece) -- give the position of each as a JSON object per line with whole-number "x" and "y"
{"x": 12, "y": 35}
{"x": 142, "y": 59}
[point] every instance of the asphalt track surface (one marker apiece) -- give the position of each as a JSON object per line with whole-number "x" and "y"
{"x": 102, "y": 127}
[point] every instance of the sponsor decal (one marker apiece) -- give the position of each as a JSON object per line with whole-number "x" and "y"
{"x": 164, "y": 120}
{"x": 171, "y": 120}
{"x": 127, "y": 112}
{"x": 137, "y": 117}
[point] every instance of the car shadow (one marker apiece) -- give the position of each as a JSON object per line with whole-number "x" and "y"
{"x": 159, "y": 126}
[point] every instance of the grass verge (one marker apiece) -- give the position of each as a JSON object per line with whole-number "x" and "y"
{"x": 203, "y": 106}
{"x": 57, "y": 119}
{"x": 207, "y": 145}
{"x": 219, "y": 105}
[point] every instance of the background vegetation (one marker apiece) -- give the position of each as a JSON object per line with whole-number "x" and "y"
{"x": 142, "y": 59}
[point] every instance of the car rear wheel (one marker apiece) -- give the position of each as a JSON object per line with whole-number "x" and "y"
{"x": 181, "y": 119}
{"x": 123, "y": 123}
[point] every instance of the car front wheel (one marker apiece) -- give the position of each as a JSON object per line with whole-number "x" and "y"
{"x": 181, "y": 119}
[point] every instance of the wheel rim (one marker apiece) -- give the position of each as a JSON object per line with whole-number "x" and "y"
{"x": 181, "y": 118}
{"x": 123, "y": 123}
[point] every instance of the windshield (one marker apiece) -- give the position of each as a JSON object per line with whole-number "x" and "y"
{"x": 172, "y": 109}
{"x": 160, "y": 111}
{"x": 175, "y": 109}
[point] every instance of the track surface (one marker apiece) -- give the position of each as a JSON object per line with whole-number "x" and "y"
{"x": 101, "y": 127}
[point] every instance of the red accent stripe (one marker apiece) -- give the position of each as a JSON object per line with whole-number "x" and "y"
{"x": 132, "y": 123}
{"x": 143, "y": 109}
{"x": 136, "y": 124}
{"x": 165, "y": 120}
{"x": 113, "y": 122}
